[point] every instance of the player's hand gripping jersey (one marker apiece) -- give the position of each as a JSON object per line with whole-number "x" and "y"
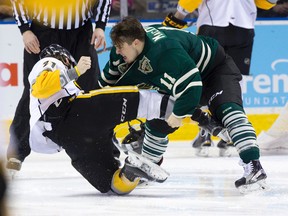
{"x": 183, "y": 58}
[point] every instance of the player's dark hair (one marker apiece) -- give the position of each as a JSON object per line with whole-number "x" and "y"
{"x": 127, "y": 30}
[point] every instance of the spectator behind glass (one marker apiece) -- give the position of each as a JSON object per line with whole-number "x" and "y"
{"x": 279, "y": 10}
{"x": 6, "y": 12}
{"x": 115, "y": 8}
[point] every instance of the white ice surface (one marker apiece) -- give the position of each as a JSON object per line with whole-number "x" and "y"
{"x": 49, "y": 185}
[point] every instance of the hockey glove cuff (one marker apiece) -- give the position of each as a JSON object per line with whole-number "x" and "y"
{"x": 171, "y": 21}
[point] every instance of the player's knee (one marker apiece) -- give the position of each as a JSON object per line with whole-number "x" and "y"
{"x": 121, "y": 185}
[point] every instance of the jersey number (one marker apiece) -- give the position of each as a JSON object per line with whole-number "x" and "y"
{"x": 168, "y": 81}
{"x": 49, "y": 64}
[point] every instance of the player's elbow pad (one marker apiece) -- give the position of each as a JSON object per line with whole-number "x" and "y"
{"x": 67, "y": 76}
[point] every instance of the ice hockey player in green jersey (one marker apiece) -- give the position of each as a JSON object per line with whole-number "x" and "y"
{"x": 196, "y": 71}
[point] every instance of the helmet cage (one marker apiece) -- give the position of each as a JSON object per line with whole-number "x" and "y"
{"x": 60, "y": 53}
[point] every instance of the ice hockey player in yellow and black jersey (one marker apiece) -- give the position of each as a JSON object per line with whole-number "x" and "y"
{"x": 64, "y": 117}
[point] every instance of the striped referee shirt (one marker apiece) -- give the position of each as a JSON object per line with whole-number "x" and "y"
{"x": 65, "y": 15}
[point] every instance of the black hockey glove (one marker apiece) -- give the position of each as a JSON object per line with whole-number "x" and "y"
{"x": 161, "y": 126}
{"x": 171, "y": 21}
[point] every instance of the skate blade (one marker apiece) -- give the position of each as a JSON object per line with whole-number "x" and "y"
{"x": 225, "y": 152}
{"x": 259, "y": 186}
{"x": 143, "y": 183}
{"x": 202, "y": 152}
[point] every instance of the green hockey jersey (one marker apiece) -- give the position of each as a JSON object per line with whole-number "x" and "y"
{"x": 172, "y": 61}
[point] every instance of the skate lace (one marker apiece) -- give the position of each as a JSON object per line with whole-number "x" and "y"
{"x": 248, "y": 168}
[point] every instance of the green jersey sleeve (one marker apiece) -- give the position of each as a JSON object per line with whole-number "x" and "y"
{"x": 181, "y": 79}
{"x": 111, "y": 73}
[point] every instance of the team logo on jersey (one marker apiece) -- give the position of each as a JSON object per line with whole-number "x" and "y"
{"x": 124, "y": 109}
{"x": 145, "y": 66}
{"x": 115, "y": 63}
{"x": 147, "y": 86}
{"x": 214, "y": 96}
{"x": 123, "y": 67}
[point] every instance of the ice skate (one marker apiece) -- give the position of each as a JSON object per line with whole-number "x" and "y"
{"x": 134, "y": 140}
{"x": 253, "y": 178}
{"x": 225, "y": 148}
{"x": 202, "y": 143}
{"x": 144, "y": 182}
{"x": 13, "y": 166}
{"x": 207, "y": 123}
{"x": 137, "y": 166}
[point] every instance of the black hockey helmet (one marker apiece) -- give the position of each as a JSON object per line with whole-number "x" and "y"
{"x": 60, "y": 53}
